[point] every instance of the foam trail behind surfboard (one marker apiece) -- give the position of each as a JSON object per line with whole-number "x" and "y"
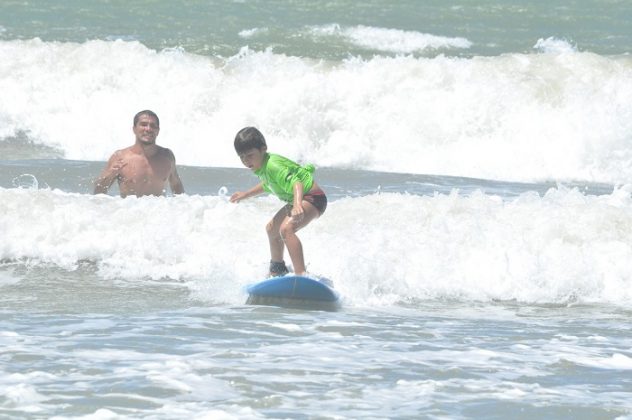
{"x": 305, "y": 304}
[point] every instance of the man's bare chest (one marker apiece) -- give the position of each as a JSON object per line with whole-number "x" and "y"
{"x": 141, "y": 169}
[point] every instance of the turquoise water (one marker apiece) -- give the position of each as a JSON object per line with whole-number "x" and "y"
{"x": 477, "y": 160}
{"x": 214, "y": 27}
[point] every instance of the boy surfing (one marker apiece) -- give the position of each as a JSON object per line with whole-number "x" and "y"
{"x": 293, "y": 184}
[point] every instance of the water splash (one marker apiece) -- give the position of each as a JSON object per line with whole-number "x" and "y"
{"x": 26, "y": 181}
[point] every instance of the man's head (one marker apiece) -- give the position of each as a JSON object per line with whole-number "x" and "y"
{"x": 146, "y": 112}
{"x": 146, "y": 127}
{"x": 251, "y": 147}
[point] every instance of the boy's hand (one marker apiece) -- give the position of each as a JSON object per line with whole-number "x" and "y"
{"x": 237, "y": 197}
{"x": 240, "y": 195}
{"x": 297, "y": 212}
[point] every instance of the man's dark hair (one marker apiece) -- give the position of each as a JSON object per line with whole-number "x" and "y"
{"x": 146, "y": 112}
{"x": 249, "y": 138}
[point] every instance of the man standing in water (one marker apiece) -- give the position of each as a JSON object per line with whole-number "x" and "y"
{"x": 145, "y": 167}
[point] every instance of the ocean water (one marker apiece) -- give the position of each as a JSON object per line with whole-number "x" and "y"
{"x": 477, "y": 157}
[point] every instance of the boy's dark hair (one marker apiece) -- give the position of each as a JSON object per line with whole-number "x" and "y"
{"x": 146, "y": 112}
{"x": 249, "y": 138}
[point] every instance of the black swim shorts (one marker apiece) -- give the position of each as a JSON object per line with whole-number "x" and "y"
{"x": 317, "y": 199}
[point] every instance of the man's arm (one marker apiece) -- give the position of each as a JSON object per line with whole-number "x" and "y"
{"x": 175, "y": 182}
{"x": 109, "y": 174}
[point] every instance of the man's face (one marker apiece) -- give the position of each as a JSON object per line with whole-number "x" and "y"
{"x": 146, "y": 129}
{"x": 253, "y": 158}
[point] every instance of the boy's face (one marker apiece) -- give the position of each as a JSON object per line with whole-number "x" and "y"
{"x": 253, "y": 158}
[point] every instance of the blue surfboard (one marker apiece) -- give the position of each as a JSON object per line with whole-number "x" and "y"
{"x": 294, "y": 291}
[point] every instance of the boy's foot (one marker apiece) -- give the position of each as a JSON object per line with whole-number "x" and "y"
{"x": 278, "y": 268}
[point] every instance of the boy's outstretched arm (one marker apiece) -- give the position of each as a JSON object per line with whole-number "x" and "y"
{"x": 242, "y": 195}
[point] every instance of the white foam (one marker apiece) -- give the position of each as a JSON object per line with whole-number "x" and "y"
{"x": 513, "y": 117}
{"x": 390, "y": 40}
{"x": 286, "y": 327}
{"x": 253, "y": 32}
{"x": 99, "y": 414}
{"x": 389, "y": 247}
{"x": 617, "y": 361}
{"x": 21, "y": 394}
{"x": 555, "y": 45}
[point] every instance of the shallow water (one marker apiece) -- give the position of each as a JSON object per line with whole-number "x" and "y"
{"x": 457, "y": 301}
{"x": 430, "y": 359}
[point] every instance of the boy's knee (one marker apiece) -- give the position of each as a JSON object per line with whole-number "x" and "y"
{"x": 271, "y": 230}
{"x": 286, "y": 228}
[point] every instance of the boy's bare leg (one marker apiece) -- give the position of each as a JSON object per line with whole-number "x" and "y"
{"x": 274, "y": 235}
{"x": 288, "y": 230}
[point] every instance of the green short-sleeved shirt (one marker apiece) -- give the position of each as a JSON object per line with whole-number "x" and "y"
{"x": 279, "y": 174}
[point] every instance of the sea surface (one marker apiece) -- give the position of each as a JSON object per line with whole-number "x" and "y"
{"x": 477, "y": 156}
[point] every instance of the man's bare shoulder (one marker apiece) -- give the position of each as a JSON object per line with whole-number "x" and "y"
{"x": 163, "y": 151}
{"x": 124, "y": 152}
